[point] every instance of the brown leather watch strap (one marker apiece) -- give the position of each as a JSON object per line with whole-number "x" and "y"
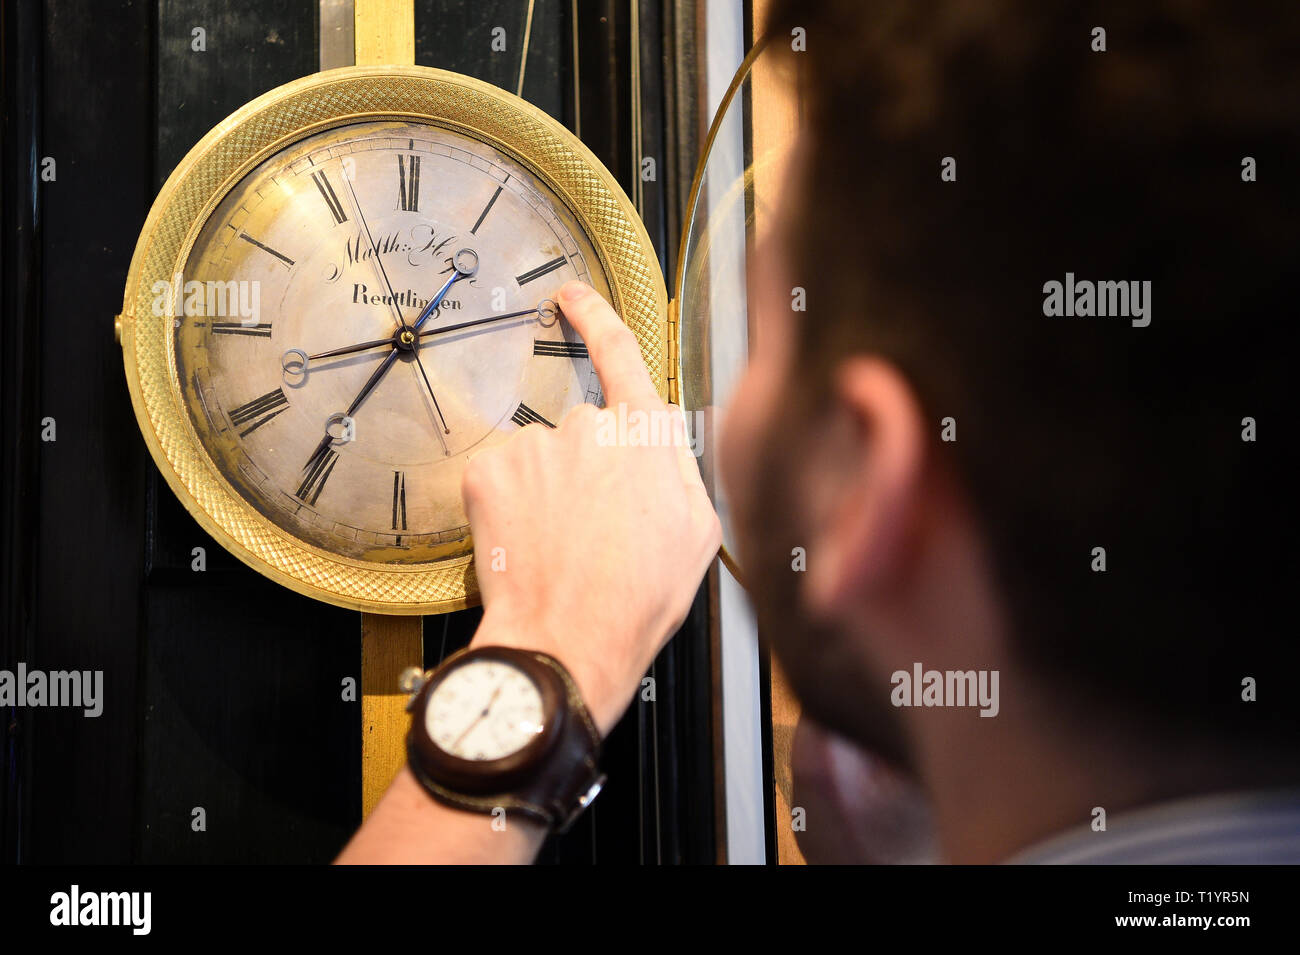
{"x": 551, "y": 781}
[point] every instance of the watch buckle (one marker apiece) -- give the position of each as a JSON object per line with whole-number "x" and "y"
{"x": 585, "y": 800}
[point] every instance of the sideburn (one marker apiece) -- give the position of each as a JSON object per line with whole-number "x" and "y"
{"x": 824, "y": 663}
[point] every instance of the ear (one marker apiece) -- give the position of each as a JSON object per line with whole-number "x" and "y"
{"x": 865, "y": 527}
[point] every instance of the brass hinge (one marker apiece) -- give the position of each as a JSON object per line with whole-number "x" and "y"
{"x": 674, "y": 387}
{"x": 117, "y": 329}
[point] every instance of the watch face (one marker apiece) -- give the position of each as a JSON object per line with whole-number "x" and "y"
{"x": 381, "y": 307}
{"x": 484, "y": 710}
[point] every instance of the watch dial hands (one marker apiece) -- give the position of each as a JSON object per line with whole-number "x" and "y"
{"x": 478, "y": 719}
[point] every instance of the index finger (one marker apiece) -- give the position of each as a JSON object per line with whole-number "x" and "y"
{"x": 614, "y": 349}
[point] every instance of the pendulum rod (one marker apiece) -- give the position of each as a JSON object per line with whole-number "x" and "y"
{"x": 384, "y": 32}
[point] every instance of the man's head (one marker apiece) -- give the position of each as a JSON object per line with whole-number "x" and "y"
{"x": 959, "y": 463}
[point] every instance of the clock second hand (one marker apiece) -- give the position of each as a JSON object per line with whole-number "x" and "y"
{"x": 420, "y": 365}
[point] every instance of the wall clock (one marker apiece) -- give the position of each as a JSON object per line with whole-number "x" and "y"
{"x": 347, "y": 288}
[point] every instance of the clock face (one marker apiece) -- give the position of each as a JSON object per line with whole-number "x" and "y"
{"x": 360, "y": 314}
{"x": 484, "y": 710}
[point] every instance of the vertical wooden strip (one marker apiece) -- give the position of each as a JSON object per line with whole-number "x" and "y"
{"x": 775, "y": 123}
{"x": 785, "y": 717}
{"x": 385, "y": 32}
{"x": 389, "y": 645}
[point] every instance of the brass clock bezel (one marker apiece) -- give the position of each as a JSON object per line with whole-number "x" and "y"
{"x": 247, "y": 138}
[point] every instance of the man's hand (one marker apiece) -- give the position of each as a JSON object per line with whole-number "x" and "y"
{"x": 598, "y": 549}
{"x": 586, "y": 549}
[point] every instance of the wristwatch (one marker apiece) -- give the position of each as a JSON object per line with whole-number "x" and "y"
{"x": 496, "y": 728}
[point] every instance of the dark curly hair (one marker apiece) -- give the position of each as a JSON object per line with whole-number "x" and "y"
{"x": 1075, "y": 433}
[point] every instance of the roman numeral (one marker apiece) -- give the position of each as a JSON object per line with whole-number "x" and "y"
{"x": 560, "y": 349}
{"x": 408, "y": 183}
{"x": 541, "y": 270}
{"x": 266, "y": 248}
{"x": 525, "y": 415}
{"x": 399, "y": 503}
{"x": 318, "y": 471}
{"x": 331, "y": 200}
{"x": 262, "y": 330}
{"x": 486, "y": 209}
{"x": 259, "y": 411}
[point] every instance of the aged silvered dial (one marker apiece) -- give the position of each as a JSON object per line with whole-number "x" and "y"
{"x": 363, "y": 311}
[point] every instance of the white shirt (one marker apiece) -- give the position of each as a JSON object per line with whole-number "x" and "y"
{"x": 1248, "y": 828}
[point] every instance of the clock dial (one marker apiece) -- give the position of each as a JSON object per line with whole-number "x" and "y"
{"x": 484, "y": 710}
{"x": 360, "y": 314}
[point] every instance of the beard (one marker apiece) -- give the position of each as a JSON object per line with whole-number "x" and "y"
{"x": 826, "y": 663}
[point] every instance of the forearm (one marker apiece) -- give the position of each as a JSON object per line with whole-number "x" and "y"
{"x": 587, "y": 550}
{"x": 409, "y": 827}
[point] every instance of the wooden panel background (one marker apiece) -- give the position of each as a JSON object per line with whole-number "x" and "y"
{"x": 224, "y": 691}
